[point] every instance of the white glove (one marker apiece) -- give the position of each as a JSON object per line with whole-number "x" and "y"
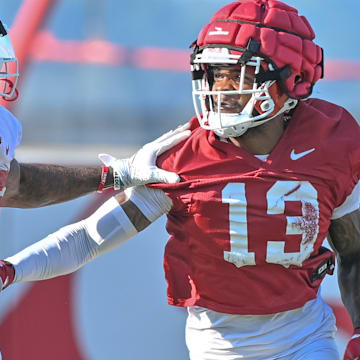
{"x": 141, "y": 168}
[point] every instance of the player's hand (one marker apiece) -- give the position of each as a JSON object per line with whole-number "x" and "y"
{"x": 353, "y": 347}
{"x": 7, "y": 274}
{"x": 141, "y": 168}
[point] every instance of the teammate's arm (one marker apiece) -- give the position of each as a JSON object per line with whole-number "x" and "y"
{"x": 66, "y": 250}
{"x": 36, "y": 185}
{"x": 345, "y": 240}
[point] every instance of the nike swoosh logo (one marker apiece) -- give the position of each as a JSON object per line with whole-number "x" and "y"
{"x": 294, "y": 156}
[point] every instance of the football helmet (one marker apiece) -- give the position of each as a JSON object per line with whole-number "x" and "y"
{"x": 266, "y": 38}
{"x": 9, "y": 67}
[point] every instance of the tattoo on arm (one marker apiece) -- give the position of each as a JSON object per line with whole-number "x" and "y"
{"x": 42, "y": 184}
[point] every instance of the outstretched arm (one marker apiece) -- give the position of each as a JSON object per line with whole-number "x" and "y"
{"x": 36, "y": 185}
{"x": 345, "y": 240}
{"x": 71, "y": 247}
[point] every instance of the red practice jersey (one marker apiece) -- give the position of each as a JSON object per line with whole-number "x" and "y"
{"x": 246, "y": 234}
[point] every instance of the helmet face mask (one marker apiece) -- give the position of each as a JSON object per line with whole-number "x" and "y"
{"x": 221, "y": 110}
{"x": 8, "y": 79}
{"x": 9, "y": 68}
{"x": 273, "y": 40}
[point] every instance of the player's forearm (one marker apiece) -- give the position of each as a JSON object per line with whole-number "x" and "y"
{"x": 136, "y": 217}
{"x": 42, "y": 184}
{"x": 58, "y": 254}
{"x": 349, "y": 278}
{"x": 74, "y": 245}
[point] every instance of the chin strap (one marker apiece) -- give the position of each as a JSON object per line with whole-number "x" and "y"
{"x": 289, "y": 104}
{"x": 280, "y": 74}
{"x": 241, "y": 128}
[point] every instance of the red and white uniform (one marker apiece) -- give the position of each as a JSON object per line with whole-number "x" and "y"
{"x": 10, "y": 137}
{"x": 246, "y": 234}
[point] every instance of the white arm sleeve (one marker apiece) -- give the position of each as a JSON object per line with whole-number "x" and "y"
{"x": 152, "y": 202}
{"x": 74, "y": 245}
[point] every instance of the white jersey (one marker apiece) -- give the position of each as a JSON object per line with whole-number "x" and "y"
{"x": 10, "y": 137}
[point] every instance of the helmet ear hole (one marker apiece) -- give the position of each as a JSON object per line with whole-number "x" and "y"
{"x": 297, "y": 79}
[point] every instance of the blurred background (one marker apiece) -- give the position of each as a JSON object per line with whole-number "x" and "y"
{"x": 109, "y": 76}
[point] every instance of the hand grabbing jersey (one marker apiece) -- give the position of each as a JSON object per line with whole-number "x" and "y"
{"x": 141, "y": 169}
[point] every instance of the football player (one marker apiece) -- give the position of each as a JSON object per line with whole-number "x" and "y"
{"x": 34, "y": 185}
{"x": 267, "y": 174}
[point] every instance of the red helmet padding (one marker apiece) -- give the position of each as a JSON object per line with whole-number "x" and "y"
{"x": 295, "y": 50}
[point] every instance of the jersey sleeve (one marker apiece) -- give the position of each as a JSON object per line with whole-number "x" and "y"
{"x": 344, "y": 145}
{"x": 354, "y": 151}
{"x": 351, "y": 204}
{"x": 10, "y": 137}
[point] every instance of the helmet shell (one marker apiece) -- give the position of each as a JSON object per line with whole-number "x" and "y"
{"x": 285, "y": 38}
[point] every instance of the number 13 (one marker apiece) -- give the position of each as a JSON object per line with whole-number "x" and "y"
{"x": 306, "y": 225}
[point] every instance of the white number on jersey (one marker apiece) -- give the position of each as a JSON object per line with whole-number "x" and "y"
{"x": 306, "y": 225}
